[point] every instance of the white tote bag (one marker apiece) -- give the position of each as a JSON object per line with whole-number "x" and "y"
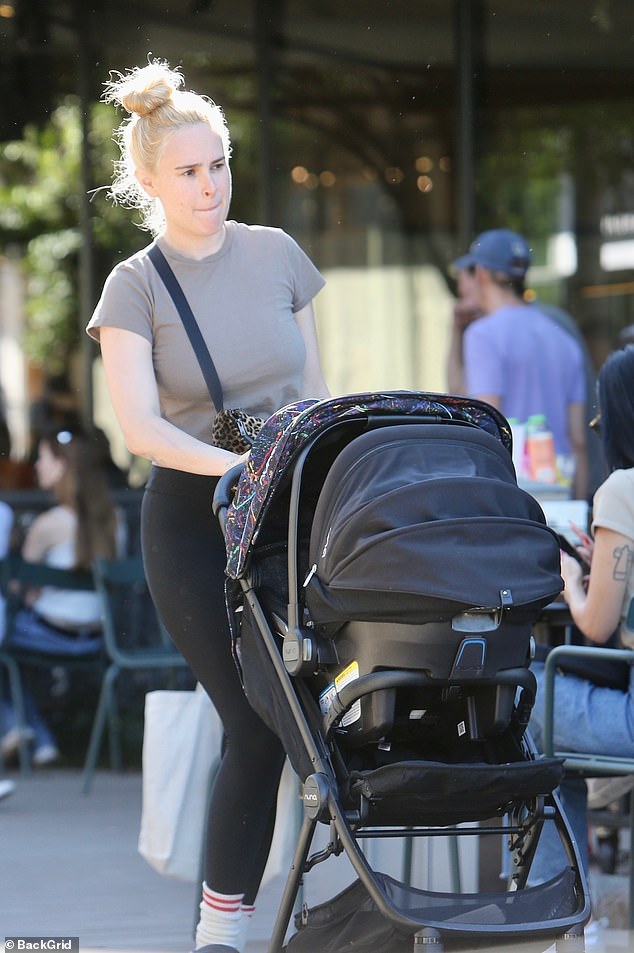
{"x": 182, "y": 740}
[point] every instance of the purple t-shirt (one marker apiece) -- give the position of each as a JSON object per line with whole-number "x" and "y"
{"x": 535, "y": 366}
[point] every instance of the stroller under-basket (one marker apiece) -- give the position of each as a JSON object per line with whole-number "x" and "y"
{"x": 384, "y": 572}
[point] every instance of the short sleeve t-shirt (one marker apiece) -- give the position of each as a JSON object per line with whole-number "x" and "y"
{"x": 244, "y": 298}
{"x": 530, "y": 362}
{"x": 613, "y": 508}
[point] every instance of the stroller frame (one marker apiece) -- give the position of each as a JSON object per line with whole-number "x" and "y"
{"x": 294, "y": 653}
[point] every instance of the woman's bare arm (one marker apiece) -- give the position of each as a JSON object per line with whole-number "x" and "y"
{"x": 313, "y": 383}
{"x": 127, "y": 359}
{"x": 597, "y": 611}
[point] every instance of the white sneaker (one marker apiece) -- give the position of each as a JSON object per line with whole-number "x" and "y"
{"x": 6, "y": 788}
{"x": 45, "y": 755}
{"x": 10, "y": 742}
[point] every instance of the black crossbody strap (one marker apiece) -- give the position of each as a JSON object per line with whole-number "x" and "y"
{"x": 194, "y": 333}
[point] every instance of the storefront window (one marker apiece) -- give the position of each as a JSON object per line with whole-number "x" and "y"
{"x": 384, "y": 134}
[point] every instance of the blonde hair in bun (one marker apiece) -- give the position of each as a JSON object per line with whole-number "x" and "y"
{"x": 145, "y": 89}
{"x": 157, "y": 106}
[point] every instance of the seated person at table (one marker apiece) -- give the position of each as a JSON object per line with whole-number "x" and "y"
{"x": 588, "y": 718}
{"x": 82, "y": 524}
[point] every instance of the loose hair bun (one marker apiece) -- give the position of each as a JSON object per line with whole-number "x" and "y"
{"x": 143, "y": 89}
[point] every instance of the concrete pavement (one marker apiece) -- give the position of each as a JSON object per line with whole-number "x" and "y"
{"x": 69, "y": 866}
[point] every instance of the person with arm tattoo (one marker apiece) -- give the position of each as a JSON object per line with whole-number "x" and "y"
{"x": 589, "y": 717}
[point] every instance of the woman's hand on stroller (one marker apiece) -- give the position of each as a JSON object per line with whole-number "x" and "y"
{"x": 236, "y": 459}
{"x": 226, "y": 486}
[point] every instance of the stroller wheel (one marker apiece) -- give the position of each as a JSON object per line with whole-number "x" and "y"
{"x": 571, "y": 943}
{"x": 428, "y": 938}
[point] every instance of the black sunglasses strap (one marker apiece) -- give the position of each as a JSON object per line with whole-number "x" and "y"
{"x": 194, "y": 333}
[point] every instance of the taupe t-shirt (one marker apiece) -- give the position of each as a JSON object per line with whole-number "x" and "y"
{"x": 244, "y": 298}
{"x": 613, "y": 508}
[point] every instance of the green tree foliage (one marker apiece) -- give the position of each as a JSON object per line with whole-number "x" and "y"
{"x": 40, "y": 214}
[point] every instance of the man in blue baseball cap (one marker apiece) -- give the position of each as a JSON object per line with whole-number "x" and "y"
{"x": 499, "y": 250}
{"x": 514, "y": 355}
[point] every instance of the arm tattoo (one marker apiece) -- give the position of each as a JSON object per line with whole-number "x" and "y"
{"x": 623, "y": 560}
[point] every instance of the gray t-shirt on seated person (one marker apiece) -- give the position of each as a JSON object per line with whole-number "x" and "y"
{"x": 244, "y": 298}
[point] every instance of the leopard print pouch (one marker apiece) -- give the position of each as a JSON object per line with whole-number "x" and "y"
{"x": 235, "y": 430}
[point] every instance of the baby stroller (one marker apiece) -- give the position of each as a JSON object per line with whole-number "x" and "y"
{"x": 383, "y": 574}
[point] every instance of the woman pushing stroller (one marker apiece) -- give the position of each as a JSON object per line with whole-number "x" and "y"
{"x": 251, "y": 290}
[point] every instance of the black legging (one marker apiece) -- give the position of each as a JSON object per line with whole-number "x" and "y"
{"x": 184, "y": 556}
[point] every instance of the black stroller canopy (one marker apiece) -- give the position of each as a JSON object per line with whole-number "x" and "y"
{"x": 295, "y": 426}
{"x": 415, "y": 521}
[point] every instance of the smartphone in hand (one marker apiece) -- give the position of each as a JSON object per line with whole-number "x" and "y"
{"x": 567, "y": 547}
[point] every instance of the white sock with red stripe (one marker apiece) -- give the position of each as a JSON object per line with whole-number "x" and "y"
{"x": 220, "y": 919}
{"x": 247, "y": 911}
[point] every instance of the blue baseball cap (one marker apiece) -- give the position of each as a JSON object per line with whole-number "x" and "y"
{"x": 498, "y": 250}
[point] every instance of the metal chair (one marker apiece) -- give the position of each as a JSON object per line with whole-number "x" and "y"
{"x": 588, "y": 764}
{"x": 126, "y": 607}
{"x": 17, "y": 577}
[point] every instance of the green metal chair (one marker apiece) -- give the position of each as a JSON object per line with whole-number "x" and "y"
{"x": 127, "y": 610}
{"x": 17, "y": 577}
{"x": 593, "y": 764}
